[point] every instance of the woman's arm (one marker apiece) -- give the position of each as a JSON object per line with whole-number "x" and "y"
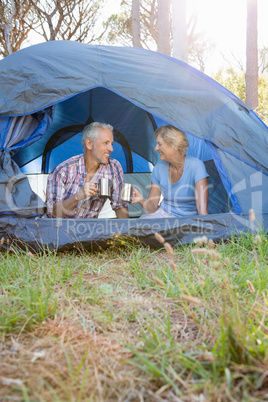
{"x": 201, "y": 196}
{"x": 151, "y": 203}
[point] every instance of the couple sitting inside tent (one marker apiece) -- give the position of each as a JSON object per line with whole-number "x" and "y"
{"x": 182, "y": 180}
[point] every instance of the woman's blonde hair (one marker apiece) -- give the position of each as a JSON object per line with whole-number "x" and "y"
{"x": 174, "y": 137}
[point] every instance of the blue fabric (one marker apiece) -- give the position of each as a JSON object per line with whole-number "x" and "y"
{"x": 45, "y": 119}
{"x": 40, "y": 124}
{"x": 225, "y": 179}
{"x": 163, "y": 86}
{"x": 179, "y": 198}
{"x": 134, "y": 89}
{"x": 104, "y": 106}
{"x": 5, "y": 124}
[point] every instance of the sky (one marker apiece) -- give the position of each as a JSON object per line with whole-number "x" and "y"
{"x": 224, "y": 23}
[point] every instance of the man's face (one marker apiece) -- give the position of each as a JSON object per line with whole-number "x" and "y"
{"x": 102, "y": 146}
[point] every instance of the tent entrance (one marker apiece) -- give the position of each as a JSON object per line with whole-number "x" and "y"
{"x": 134, "y": 140}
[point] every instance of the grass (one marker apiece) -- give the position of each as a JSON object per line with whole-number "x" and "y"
{"x": 134, "y": 324}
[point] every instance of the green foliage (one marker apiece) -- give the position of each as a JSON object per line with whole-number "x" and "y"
{"x": 232, "y": 80}
{"x": 235, "y": 82}
{"x": 119, "y": 29}
{"x": 263, "y": 98}
{"x": 120, "y": 25}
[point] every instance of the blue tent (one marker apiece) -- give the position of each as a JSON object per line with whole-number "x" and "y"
{"x": 50, "y": 91}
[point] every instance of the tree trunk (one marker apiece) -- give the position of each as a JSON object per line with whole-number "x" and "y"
{"x": 163, "y": 44}
{"x": 136, "y": 23}
{"x": 252, "y": 54}
{"x": 179, "y": 28}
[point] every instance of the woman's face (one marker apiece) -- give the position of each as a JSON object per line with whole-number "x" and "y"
{"x": 166, "y": 151}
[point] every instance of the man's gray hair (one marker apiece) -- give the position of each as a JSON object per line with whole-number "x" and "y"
{"x": 92, "y": 130}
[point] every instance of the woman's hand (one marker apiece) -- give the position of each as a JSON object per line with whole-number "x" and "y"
{"x": 136, "y": 196}
{"x": 151, "y": 203}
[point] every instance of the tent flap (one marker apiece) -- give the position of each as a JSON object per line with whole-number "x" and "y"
{"x": 16, "y": 195}
{"x": 18, "y": 132}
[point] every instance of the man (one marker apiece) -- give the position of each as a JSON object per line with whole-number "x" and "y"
{"x": 71, "y": 187}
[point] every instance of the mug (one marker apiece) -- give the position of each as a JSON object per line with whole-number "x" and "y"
{"x": 126, "y": 192}
{"x": 104, "y": 188}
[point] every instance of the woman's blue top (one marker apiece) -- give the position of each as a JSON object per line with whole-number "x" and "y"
{"x": 179, "y": 198}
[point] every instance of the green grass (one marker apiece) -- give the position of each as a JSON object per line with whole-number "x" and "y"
{"x": 131, "y": 322}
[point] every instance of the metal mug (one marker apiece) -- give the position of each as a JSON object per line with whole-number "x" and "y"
{"x": 126, "y": 192}
{"x": 104, "y": 188}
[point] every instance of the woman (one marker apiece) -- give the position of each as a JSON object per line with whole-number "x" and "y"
{"x": 181, "y": 179}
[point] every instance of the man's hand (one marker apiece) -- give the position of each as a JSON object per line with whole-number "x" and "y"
{"x": 88, "y": 189}
{"x": 62, "y": 208}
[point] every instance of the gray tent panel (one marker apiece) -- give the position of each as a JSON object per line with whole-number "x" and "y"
{"x": 39, "y": 235}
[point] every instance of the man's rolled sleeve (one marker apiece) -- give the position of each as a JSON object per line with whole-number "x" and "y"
{"x": 118, "y": 179}
{"x": 55, "y": 191}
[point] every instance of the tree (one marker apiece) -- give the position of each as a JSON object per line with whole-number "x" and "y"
{"x": 164, "y": 31}
{"x": 252, "y": 54}
{"x": 263, "y": 60}
{"x": 179, "y": 30}
{"x": 68, "y": 19}
{"x": 16, "y": 21}
{"x": 51, "y": 19}
{"x": 199, "y": 52}
{"x": 149, "y": 13}
{"x": 120, "y": 31}
{"x": 136, "y": 23}
{"x": 120, "y": 25}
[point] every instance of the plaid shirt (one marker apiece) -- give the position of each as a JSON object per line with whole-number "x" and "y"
{"x": 68, "y": 178}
